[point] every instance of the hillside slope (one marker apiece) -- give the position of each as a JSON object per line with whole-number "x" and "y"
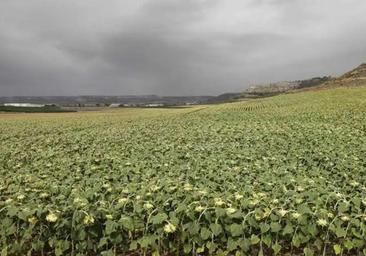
{"x": 358, "y": 73}
{"x": 353, "y": 78}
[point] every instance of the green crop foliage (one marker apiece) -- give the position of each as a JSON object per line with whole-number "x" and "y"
{"x": 265, "y": 177}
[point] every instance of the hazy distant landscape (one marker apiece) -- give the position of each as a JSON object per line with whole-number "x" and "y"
{"x": 87, "y": 102}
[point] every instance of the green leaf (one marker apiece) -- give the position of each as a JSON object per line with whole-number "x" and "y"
{"x": 102, "y": 242}
{"x": 181, "y": 208}
{"x": 216, "y": 229}
{"x": 205, "y": 233}
{"x": 245, "y": 244}
{"x": 231, "y": 244}
{"x": 356, "y": 233}
{"x": 275, "y": 227}
{"x": 4, "y": 251}
{"x": 236, "y": 229}
{"x": 276, "y": 248}
{"x": 348, "y": 244}
{"x": 304, "y": 209}
{"x": 194, "y": 228}
{"x": 211, "y": 246}
{"x": 200, "y": 249}
{"x": 264, "y": 227}
{"x": 260, "y": 253}
{"x": 358, "y": 243}
{"x": 58, "y": 252}
{"x": 238, "y": 253}
{"x": 107, "y": 253}
{"x": 63, "y": 245}
{"x": 187, "y": 248}
{"x": 312, "y": 229}
{"x": 110, "y": 227}
{"x": 11, "y": 230}
{"x": 155, "y": 253}
{"x": 133, "y": 245}
{"x": 267, "y": 239}
{"x": 308, "y": 252}
{"x": 146, "y": 241}
{"x": 220, "y": 212}
{"x": 337, "y": 249}
{"x": 12, "y": 211}
{"x": 343, "y": 207}
{"x": 24, "y": 214}
{"x": 296, "y": 241}
{"x": 127, "y": 223}
{"x": 340, "y": 232}
{"x": 159, "y": 218}
{"x": 254, "y": 239}
{"x": 288, "y": 229}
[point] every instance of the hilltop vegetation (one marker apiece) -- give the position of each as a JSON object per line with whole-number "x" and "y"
{"x": 271, "y": 89}
{"x": 357, "y": 73}
{"x": 355, "y": 77}
{"x": 278, "y": 175}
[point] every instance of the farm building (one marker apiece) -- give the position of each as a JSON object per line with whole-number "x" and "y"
{"x": 115, "y": 105}
{"x": 154, "y": 105}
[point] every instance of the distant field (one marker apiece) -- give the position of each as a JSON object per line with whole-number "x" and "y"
{"x": 47, "y": 109}
{"x": 278, "y": 175}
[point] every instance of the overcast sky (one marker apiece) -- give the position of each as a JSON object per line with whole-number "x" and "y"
{"x": 173, "y": 47}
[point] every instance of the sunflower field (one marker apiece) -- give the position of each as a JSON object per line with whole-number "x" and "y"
{"x": 278, "y": 176}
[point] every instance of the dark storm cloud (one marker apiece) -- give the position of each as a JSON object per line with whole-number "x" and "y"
{"x": 172, "y": 47}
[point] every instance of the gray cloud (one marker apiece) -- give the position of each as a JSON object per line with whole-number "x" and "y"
{"x": 173, "y": 47}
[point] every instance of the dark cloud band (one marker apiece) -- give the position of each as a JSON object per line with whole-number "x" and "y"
{"x": 172, "y": 47}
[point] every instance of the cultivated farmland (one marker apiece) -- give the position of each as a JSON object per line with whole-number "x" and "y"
{"x": 281, "y": 175}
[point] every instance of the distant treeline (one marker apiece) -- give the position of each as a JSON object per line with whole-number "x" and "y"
{"x": 313, "y": 81}
{"x": 45, "y": 109}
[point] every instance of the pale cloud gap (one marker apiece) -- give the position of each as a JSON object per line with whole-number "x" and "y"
{"x": 171, "y": 47}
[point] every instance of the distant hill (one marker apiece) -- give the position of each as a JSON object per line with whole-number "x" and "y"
{"x": 353, "y": 78}
{"x": 358, "y": 73}
{"x": 270, "y": 89}
{"x": 225, "y": 97}
{"x": 284, "y": 86}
